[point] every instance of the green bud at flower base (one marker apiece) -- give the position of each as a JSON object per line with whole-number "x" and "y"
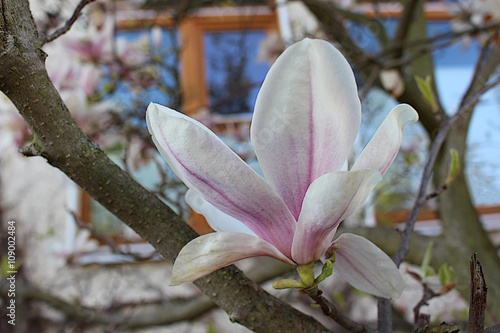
{"x": 326, "y": 271}
{"x": 287, "y": 283}
{"x": 306, "y": 273}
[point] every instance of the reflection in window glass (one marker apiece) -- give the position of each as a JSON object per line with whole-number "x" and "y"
{"x": 233, "y": 71}
{"x": 150, "y": 73}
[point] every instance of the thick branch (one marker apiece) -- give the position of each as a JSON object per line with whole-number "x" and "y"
{"x": 415, "y": 28}
{"x": 144, "y": 315}
{"x": 405, "y": 22}
{"x": 333, "y": 312}
{"x": 24, "y": 80}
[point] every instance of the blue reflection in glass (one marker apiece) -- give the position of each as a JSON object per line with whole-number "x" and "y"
{"x": 233, "y": 71}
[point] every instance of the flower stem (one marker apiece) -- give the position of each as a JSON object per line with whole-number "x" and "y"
{"x": 333, "y": 312}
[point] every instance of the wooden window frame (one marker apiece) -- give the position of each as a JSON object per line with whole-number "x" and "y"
{"x": 435, "y": 11}
{"x": 194, "y": 87}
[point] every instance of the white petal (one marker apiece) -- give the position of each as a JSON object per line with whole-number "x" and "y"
{"x": 218, "y": 220}
{"x": 366, "y": 267}
{"x": 306, "y": 118}
{"x": 329, "y": 200}
{"x": 208, "y": 166}
{"x": 384, "y": 146}
{"x": 210, "y": 252}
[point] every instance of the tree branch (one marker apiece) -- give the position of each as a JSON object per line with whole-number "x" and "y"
{"x": 145, "y": 315}
{"x": 153, "y": 313}
{"x": 333, "y": 312}
{"x": 65, "y": 28}
{"x": 482, "y": 73}
{"x": 493, "y": 329}
{"x": 384, "y": 315}
{"x": 405, "y": 22}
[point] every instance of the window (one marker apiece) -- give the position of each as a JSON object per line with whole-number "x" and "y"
{"x": 233, "y": 71}
{"x": 208, "y": 34}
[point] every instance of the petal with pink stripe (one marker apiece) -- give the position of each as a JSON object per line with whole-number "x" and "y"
{"x": 306, "y": 118}
{"x": 205, "y": 164}
{"x": 210, "y": 252}
{"x": 218, "y": 220}
{"x": 366, "y": 267}
{"x": 384, "y": 146}
{"x": 330, "y": 199}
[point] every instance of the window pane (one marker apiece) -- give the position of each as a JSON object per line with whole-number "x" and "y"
{"x": 233, "y": 71}
{"x": 148, "y": 71}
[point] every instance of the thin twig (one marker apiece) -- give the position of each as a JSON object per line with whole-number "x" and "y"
{"x": 333, "y": 312}
{"x": 415, "y": 54}
{"x": 455, "y": 35}
{"x": 421, "y": 319}
{"x": 436, "y": 193}
{"x": 384, "y": 315}
{"x": 436, "y": 146}
{"x": 369, "y": 83}
{"x": 65, "y": 28}
{"x": 384, "y": 305}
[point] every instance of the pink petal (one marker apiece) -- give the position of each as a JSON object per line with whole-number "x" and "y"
{"x": 218, "y": 220}
{"x": 306, "y": 118}
{"x": 329, "y": 200}
{"x": 384, "y": 146}
{"x": 210, "y": 252}
{"x": 366, "y": 267}
{"x": 206, "y": 165}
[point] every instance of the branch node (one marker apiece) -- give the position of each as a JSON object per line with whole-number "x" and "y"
{"x": 29, "y": 150}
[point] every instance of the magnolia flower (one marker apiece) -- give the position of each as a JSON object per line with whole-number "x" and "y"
{"x": 307, "y": 116}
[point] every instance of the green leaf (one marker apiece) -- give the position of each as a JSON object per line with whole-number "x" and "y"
{"x": 424, "y": 267}
{"x": 454, "y": 167}
{"x": 326, "y": 271}
{"x": 446, "y": 274}
{"x": 425, "y": 87}
{"x": 429, "y": 271}
{"x": 5, "y": 268}
{"x": 211, "y": 328}
{"x": 443, "y": 274}
{"x": 339, "y": 299}
{"x": 411, "y": 158}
